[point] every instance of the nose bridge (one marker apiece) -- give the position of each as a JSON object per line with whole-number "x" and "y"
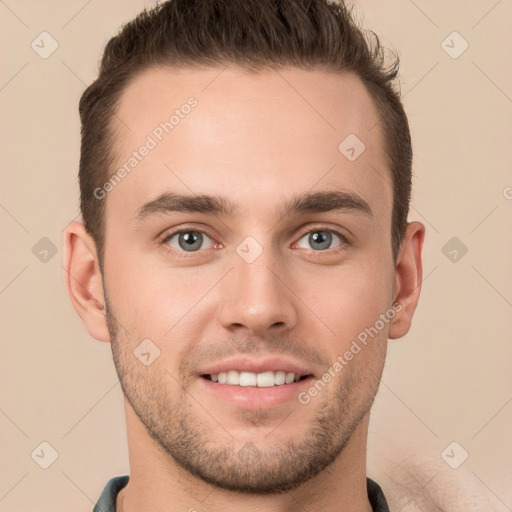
{"x": 255, "y": 295}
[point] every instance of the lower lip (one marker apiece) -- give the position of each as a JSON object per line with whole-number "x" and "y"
{"x": 252, "y": 397}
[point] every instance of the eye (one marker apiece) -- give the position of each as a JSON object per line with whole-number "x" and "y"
{"x": 192, "y": 240}
{"x": 187, "y": 240}
{"x": 321, "y": 239}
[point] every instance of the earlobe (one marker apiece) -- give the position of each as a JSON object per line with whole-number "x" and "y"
{"x": 408, "y": 278}
{"x": 84, "y": 281}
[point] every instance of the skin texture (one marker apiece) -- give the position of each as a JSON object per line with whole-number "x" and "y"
{"x": 257, "y": 140}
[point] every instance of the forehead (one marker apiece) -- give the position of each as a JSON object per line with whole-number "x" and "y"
{"x": 257, "y": 138}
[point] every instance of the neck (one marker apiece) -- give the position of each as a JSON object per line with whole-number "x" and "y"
{"x": 158, "y": 482}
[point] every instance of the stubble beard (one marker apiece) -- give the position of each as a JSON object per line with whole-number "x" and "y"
{"x": 206, "y": 450}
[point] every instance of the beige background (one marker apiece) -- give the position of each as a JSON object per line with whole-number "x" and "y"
{"x": 448, "y": 380}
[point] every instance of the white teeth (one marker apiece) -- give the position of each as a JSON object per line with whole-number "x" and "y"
{"x": 247, "y": 379}
{"x": 280, "y": 378}
{"x": 261, "y": 380}
{"x": 233, "y": 377}
{"x": 266, "y": 379}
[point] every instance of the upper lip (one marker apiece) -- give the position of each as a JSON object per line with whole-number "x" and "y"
{"x": 247, "y": 364}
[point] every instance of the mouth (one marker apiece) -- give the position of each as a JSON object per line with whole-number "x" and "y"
{"x": 255, "y": 391}
{"x": 265, "y": 379}
{"x": 249, "y": 383}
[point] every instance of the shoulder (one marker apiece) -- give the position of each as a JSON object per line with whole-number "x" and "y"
{"x": 107, "y": 500}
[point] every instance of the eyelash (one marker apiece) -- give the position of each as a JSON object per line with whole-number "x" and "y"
{"x": 180, "y": 253}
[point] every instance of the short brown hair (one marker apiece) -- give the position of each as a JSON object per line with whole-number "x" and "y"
{"x": 254, "y": 34}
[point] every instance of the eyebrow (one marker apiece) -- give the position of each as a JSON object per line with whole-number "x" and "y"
{"x": 308, "y": 202}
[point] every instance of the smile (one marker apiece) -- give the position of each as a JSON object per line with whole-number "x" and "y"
{"x": 260, "y": 380}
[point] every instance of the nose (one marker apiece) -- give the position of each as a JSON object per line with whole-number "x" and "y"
{"x": 257, "y": 297}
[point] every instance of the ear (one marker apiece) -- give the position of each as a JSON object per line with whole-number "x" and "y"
{"x": 408, "y": 278}
{"x": 84, "y": 281}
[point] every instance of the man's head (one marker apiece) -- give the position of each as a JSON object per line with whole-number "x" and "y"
{"x": 254, "y": 34}
{"x": 258, "y": 231}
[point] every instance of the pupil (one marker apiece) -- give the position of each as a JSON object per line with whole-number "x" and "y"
{"x": 191, "y": 239}
{"x": 321, "y": 237}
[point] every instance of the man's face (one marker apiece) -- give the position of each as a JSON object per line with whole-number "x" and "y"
{"x": 258, "y": 291}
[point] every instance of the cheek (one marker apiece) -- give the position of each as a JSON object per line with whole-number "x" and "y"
{"x": 349, "y": 299}
{"x": 158, "y": 302}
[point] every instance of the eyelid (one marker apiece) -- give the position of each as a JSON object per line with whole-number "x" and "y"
{"x": 163, "y": 239}
{"x": 324, "y": 227}
{"x": 344, "y": 240}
